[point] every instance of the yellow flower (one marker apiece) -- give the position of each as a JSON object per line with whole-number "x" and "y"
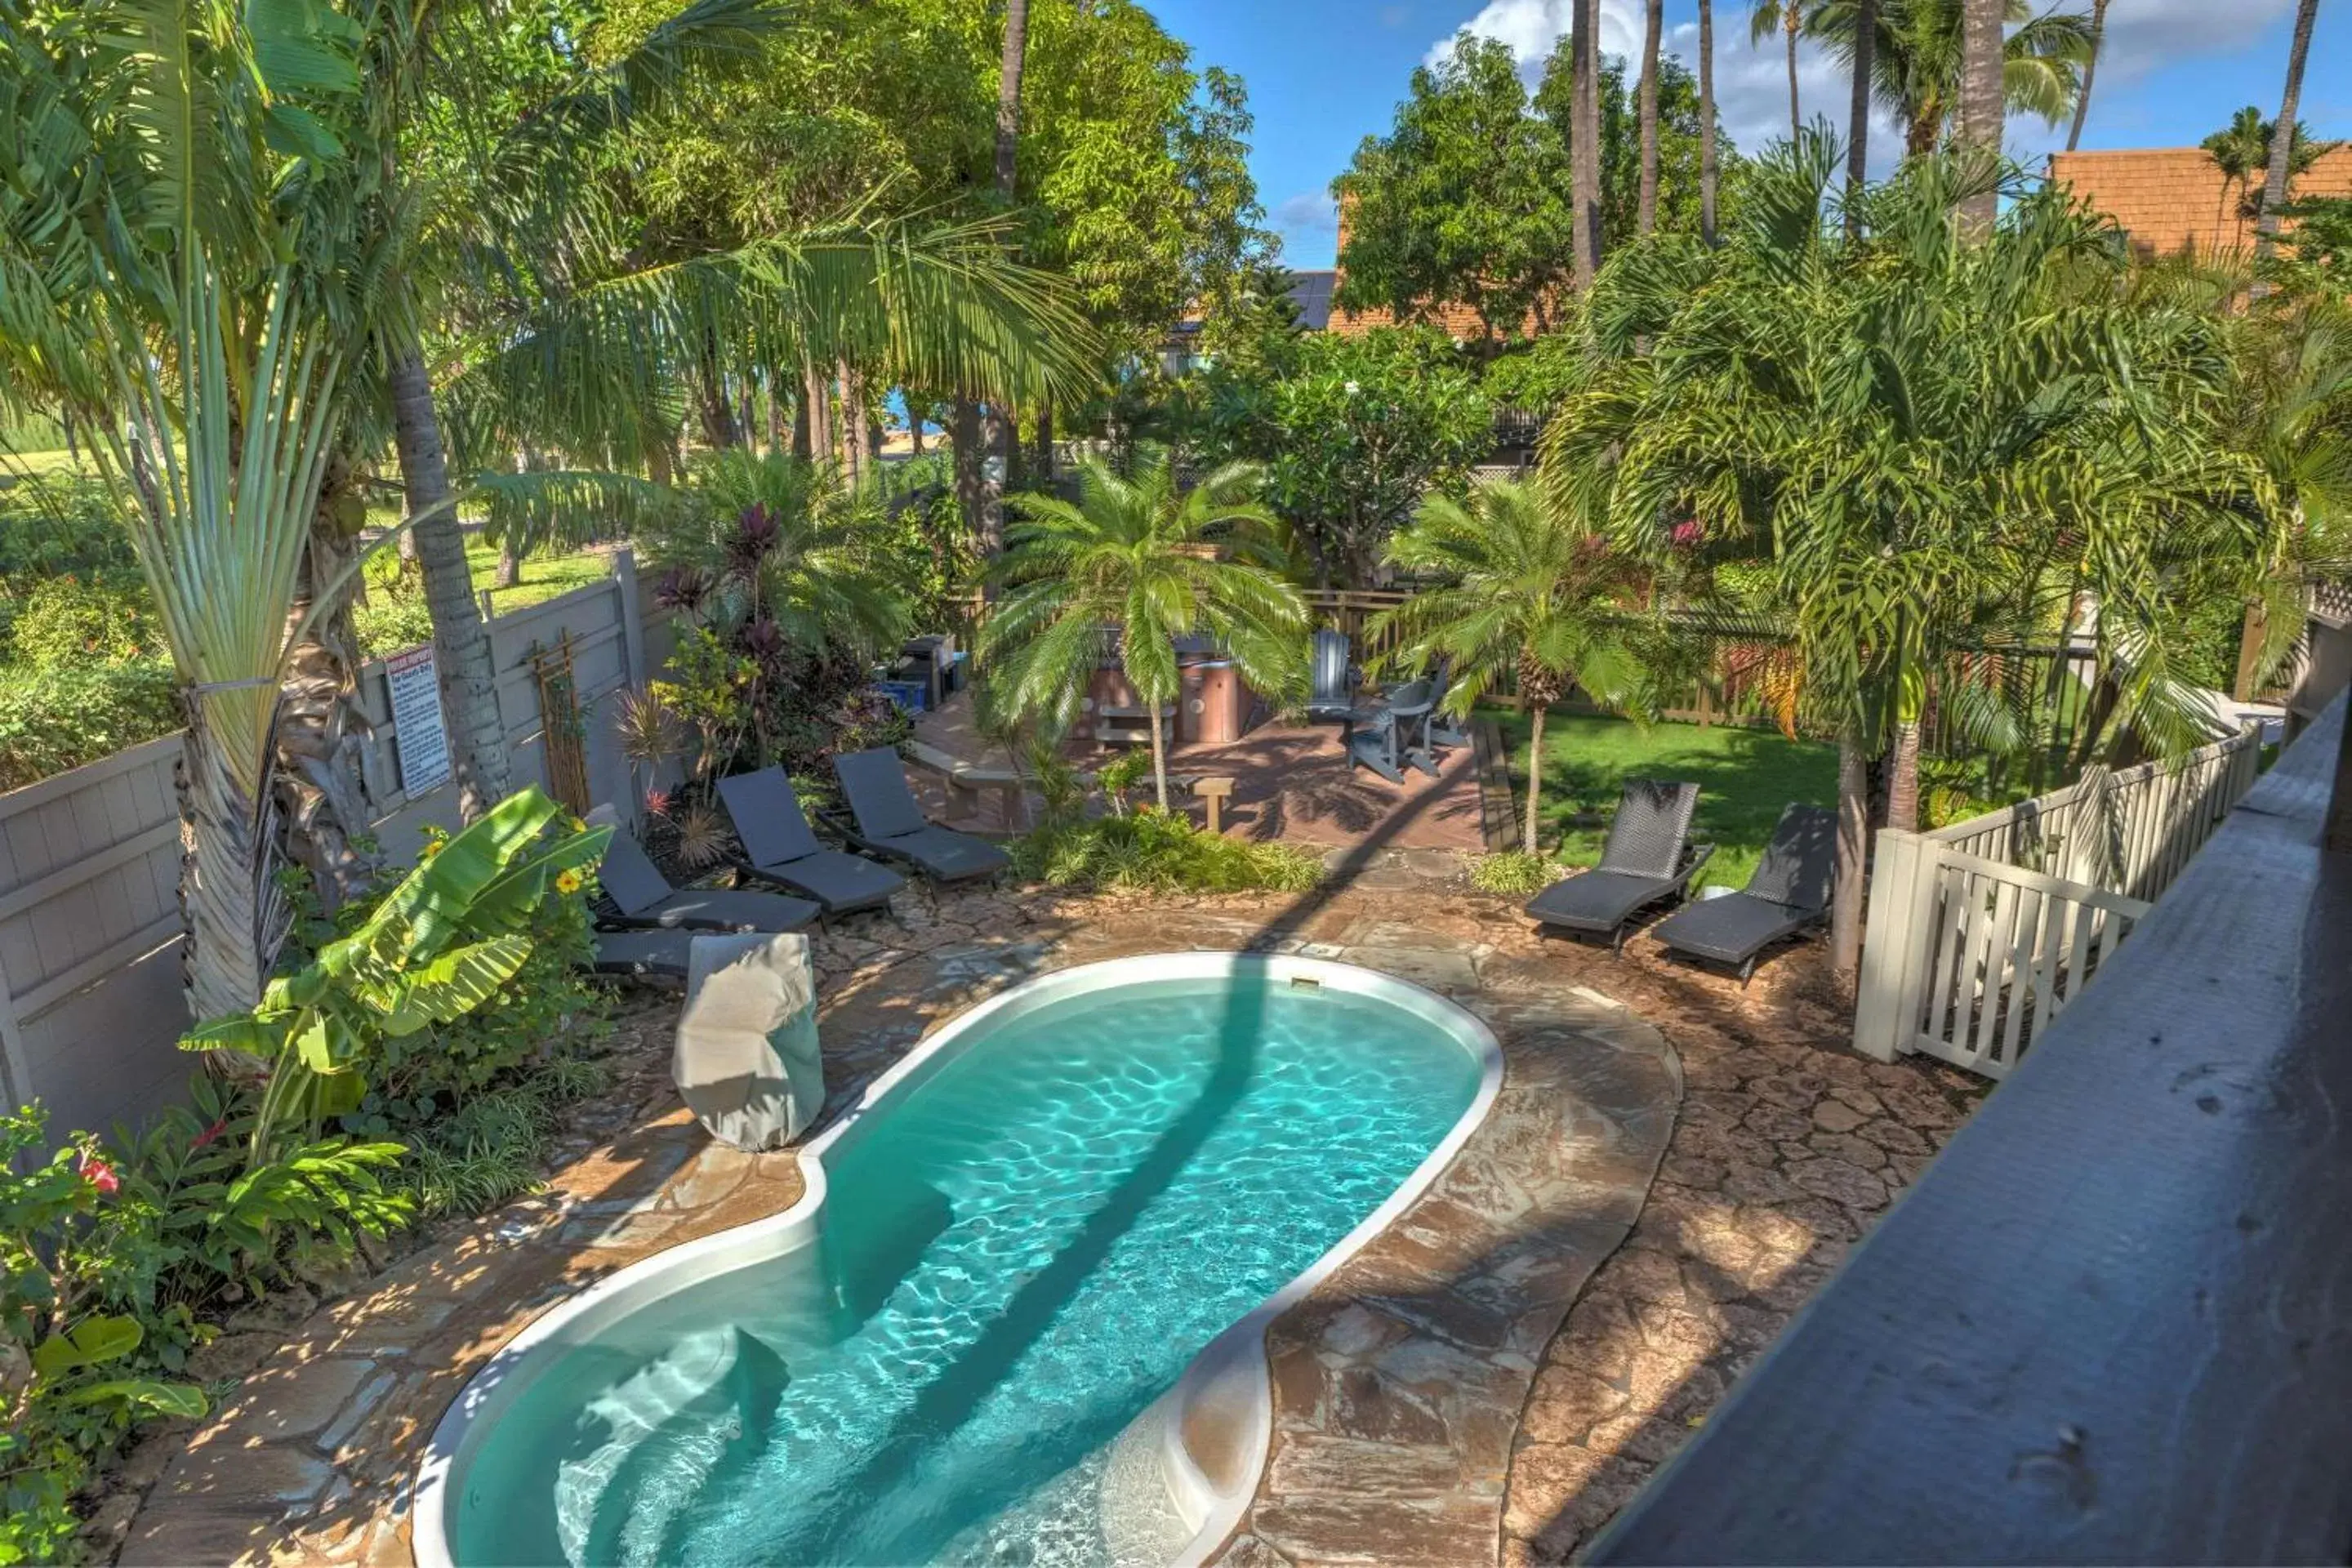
{"x": 567, "y": 882}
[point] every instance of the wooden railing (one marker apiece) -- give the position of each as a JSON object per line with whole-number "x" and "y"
{"x": 1978, "y": 934}
{"x": 2105, "y": 1324}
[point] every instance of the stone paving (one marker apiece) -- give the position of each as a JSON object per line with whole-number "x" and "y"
{"x": 1415, "y": 1391}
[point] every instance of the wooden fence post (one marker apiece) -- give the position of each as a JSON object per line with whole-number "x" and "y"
{"x": 1902, "y": 894}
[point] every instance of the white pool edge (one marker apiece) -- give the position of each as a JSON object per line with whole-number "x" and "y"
{"x": 1230, "y": 1369}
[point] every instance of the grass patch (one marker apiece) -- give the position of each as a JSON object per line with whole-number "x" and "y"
{"x": 543, "y": 577}
{"x": 1745, "y": 777}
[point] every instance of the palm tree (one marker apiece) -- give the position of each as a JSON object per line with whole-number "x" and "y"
{"x": 1708, "y": 173}
{"x": 1928, "y": 440}
{"x": 1584, "y": 140}
{"x": 1008, "y": 132}
{"x": 2090, "y": 70}
{"x": 1982, "y": 100}
{"x": 1531, "y": 591}
{"x": 1857, "y": 153}
{"x": 2238, "y": 149}
{"x": 1123, "y": 572}
{"x": 1646, "y": 204}
{"x": 601, "y": 338}
{"x": 1919, "y": 51}
{"x": 2275, "y": 182}
{"x": 1787, "y": 18}
{"x": 210, "y": 367}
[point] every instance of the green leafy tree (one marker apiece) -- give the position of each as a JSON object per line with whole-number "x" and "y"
{"x": 1128, "y": 567}
{"x": 1353, "y": 436}
{"x": 1464, "y": 200}
{"x": 1527, "y": 590}
{"x": 1927, "y": 441}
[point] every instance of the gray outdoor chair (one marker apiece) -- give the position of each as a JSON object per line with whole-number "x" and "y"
{"x": 779, "y": 848}
{"x": 1789, "y": 892}
{"x": 1446, "y": 733}
{"x": 1647, "y": 860}
{"x": 1334, "y": 691}
{"x": 642, "y": 897}
{"x": 642, "y": 953}
{"x": 1392, "y": 735}
{"x": 884, "y": 819}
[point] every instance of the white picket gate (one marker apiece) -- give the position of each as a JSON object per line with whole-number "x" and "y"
{"x": 1978, "y": 934}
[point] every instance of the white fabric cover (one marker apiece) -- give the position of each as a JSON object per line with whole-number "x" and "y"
{"x": 746, "y": 1059}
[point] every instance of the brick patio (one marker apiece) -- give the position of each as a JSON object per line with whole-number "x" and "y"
{"x": 1291, "y": 781}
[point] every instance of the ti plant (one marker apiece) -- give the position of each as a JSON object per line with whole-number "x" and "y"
{"x": 438, "y": 945}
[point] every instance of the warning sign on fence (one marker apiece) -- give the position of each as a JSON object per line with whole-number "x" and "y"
{"x": 419, "y": 740}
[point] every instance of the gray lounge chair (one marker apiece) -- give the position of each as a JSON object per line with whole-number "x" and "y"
{"x": 886, "y": 820}
{"x": 644, "y": 953}
{"x": 1790, "y": 891}
{"x": 779, "y": 848}
{"x": 642, "y": 897}
{"x": 1334, "y": 691}
{"x": 1648, "y": 860}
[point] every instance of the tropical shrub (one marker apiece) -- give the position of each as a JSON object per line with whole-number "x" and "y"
{"x": 436, "y": 947}
{"x": 1155, "y": 850}
{"x": 80, "y": 619}
{"x": 51, "y": 524}
{"x": 67, "y": 1385}
{"x": 1516, "y": 872}
{"x": 69, "y": 714}
{"x": 389, "y": 619}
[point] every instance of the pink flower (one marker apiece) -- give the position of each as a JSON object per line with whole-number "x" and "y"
{"x": 1688, "y": 532}
{"x": 102, "y": 1174}
{"x": 658, "y": 802}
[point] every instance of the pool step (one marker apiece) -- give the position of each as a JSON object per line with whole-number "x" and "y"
{"x": 705, "y": 1402}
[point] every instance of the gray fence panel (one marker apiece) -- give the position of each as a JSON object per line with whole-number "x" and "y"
{"x": 90, "y": 1005}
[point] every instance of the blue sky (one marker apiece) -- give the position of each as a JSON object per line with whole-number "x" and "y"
{"x": 1323, "y": 74}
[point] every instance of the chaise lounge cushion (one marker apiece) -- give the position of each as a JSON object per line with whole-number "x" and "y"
{"x": 779, "y": 846}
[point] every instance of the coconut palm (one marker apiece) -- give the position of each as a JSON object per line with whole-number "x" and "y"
{"x": 1528, "y": 590}
{"x": 2274, "y": 179}
{"x": 2090, "y": 72}
{"x": 1709, "y": 175}
{"x": 1919, "y": 53}
{"x": 1654, "y": 20}
{"x": 1786, "y": 17}
{"x": 1983, "y": 99}
{"x": 1121, "y": 572}
{"x": 1925, "y": 439}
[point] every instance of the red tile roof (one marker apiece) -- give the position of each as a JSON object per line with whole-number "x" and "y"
{"x": 2174, "y": 198}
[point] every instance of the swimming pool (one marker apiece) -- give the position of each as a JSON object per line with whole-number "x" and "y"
{"x": 969, "y": 1343}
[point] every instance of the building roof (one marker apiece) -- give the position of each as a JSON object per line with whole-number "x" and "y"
{"x": 1311, "y": 293}
{"x": 2169, "y": 199}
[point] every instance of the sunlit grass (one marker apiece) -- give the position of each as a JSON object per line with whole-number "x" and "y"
{"x": 1745, "y": 777}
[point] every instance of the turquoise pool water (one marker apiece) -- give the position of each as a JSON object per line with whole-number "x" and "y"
{"x": 1018, "y": 1252}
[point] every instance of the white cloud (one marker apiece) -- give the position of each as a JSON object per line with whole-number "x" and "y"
{"x": 1751, "y": 82}
{"x": 2150, "y": 33}
{"x": 1307, "y": 214}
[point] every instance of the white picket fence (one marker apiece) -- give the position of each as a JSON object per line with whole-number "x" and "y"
{"x": 1978, "y": 934}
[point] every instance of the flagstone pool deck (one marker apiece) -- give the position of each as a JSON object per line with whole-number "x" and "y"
{"x": 1673, "y": 1166}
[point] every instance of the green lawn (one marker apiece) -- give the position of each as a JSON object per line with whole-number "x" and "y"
{"x": 1745, "y": 777}
{"x": 543, "y": 576}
